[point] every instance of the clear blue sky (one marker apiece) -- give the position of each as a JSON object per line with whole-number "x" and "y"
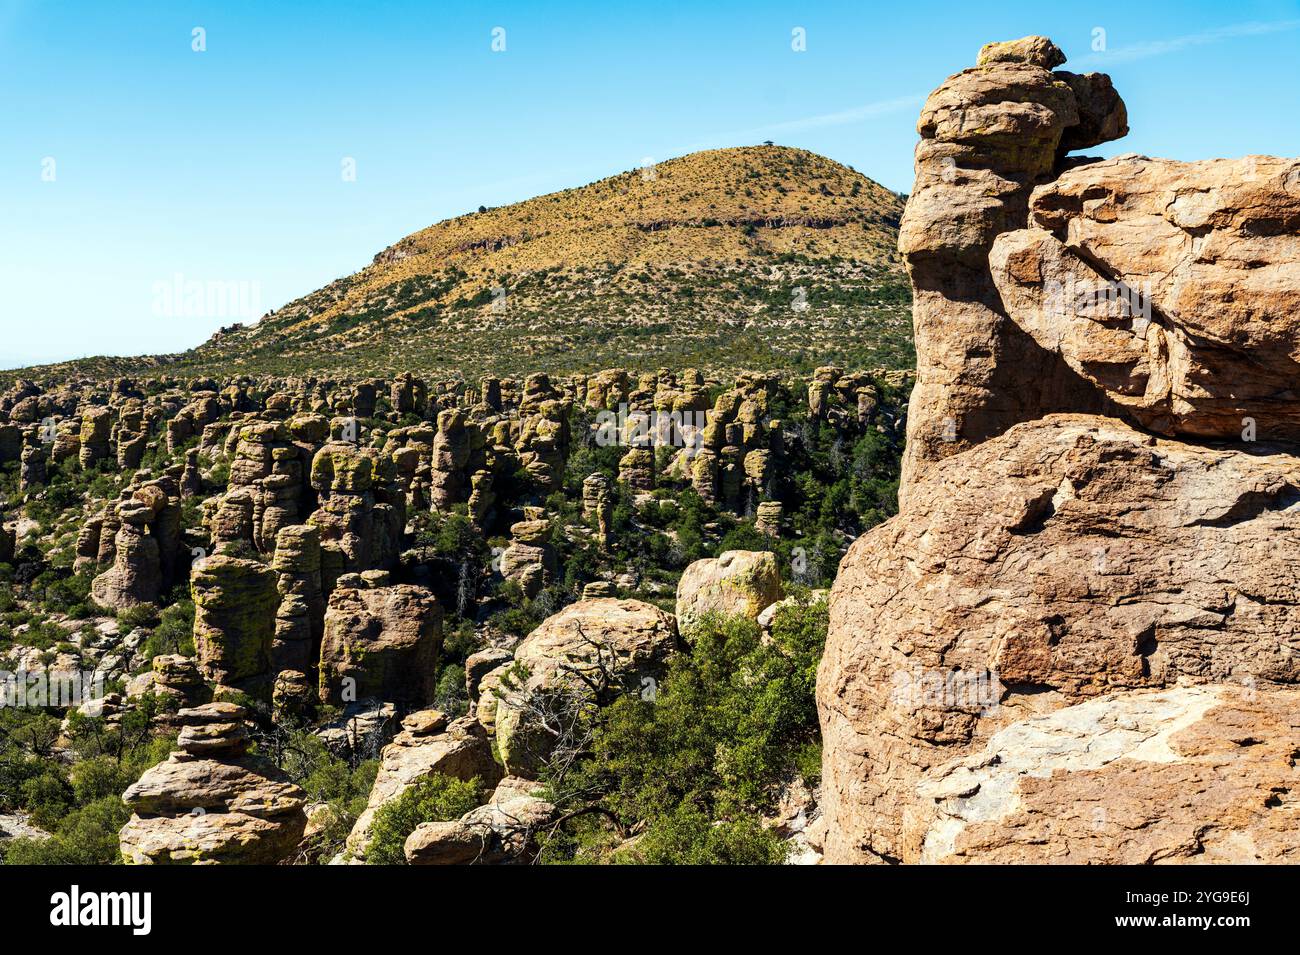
{"x": 226, "y": 165}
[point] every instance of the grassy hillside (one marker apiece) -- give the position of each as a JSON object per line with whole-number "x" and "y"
{"x": 754, "y": 257}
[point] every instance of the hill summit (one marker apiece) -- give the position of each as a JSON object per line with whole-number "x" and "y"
{"x": 749, "y": 257}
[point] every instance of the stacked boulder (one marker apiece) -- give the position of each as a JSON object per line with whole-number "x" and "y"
{"x": 454, "y": 451}
{"x": 142, "y": 540}
{"x": 989, "y": 135}
{"x": 300, "y": 618}
{"x": 210, "y": 802}
{"x": 598, "y": 505}
{"x": 362, "y": 509}
{"x": 95, "y": 438}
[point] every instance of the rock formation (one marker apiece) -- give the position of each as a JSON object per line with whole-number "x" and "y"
{"x": 380, "y": 643}
{"x": 585, "y": 655}
{"x": 737, "y": 583}
{"x": 211, "y": 803}
{"x": 235, "y": 602}
{"x": 989, "y": 135}
{"x": 1172, "y": 288}
{"x": 530, "y": 558}
{"x": 427, "y": 745}
{"x": 300, "y": 619}
{"x": 1077, "y": 640}
{"x": 504, "y": 831}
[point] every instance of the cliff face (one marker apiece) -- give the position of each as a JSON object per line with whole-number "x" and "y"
{"x": 1077, "y": 641}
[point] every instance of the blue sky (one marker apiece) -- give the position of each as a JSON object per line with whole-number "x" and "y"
{"x": 226, "y": 165}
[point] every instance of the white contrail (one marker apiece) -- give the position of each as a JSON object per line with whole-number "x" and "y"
{"x": 1149, "y": 48}
{"x": 846, "y": 116}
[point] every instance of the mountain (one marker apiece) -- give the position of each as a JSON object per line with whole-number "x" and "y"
{"x": 750, "y": 257}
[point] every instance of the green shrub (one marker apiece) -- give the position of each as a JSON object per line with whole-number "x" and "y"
{"x": 438, "y": 798}
{"x": 688, "y": 837}
{"x": 86, "y": 836}
{"x": 733, "y": 719}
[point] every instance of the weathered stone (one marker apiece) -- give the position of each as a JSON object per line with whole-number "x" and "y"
{"x": 737, "y": 583}
{"x": 217, "y": 807}
{"x": 381, "y": 643}
{"x": 988, "y": 136}
{"x": 584, "y": 656}
{"x": 1195, "y": 338}
{"x": 461, "y": 751}
{"x": 235, "y": 601}
{"x": 1070, "y": 558}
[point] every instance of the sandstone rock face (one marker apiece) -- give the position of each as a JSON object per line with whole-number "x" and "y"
{"x": 1173, "y": 288}
{"x": 737, "y": 583}
{"x": 1194, "y": 774}
{"x": 381, "y": 643}
{"x": 427, "y": 745}
{"x": 989, "y": 135}
{"x": 1077, "y": 640}
{"x": 211, "y": 803}
{"x": 1069, "y": 558}
{"x": 583, "y": 656}
{"x": 143, "y": 550}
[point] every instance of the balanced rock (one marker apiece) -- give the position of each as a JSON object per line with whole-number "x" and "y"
{"x": 211, "y": 803}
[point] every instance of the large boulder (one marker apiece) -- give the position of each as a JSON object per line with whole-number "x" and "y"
{"x": 739, "y": 583}
{"x": 504, "y": 831}
{"x": 1173, "y": 288}
{"x": 582, "y": 657}
{"x": 1069, "y": 559}
{"x": 989, "y": 135}
{"x": 381, "y": 643}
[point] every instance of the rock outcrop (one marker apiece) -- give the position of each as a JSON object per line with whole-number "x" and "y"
{"x": 1172, "y": 288}
{"x": 738, "y": 583}
{"x": 989, "y": 135}
{"x": 584, "y": 656}
{"x": 235, "y": 602}
{"x": 1077, "y": 642}
{"x": 504, "y": 831}
{"x": 381, "y": 643}
{"x": 427, "y": 745}
{"x": 210, "y": 802}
